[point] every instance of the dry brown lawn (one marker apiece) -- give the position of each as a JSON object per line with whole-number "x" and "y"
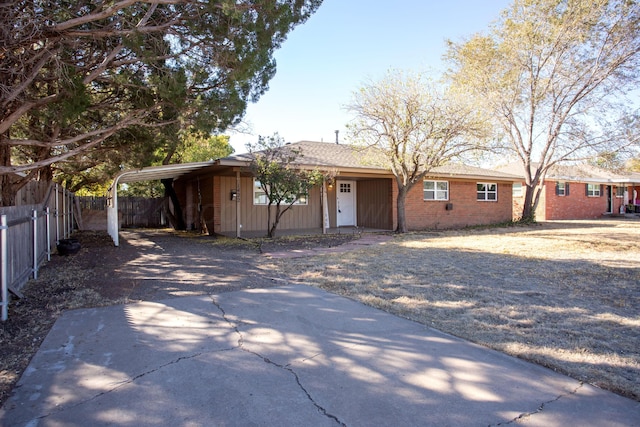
{"x": 565, "y": 295}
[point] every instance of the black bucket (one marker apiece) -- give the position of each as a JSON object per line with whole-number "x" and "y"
{"x": 68, "y": 246}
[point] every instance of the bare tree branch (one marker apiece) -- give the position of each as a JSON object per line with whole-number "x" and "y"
{"x": 415, "y": 126}
{"x": 581, "y": 59}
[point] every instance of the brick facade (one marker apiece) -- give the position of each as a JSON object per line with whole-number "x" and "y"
{"x": 466, "y": 209}
{"x": 576, "y": 204}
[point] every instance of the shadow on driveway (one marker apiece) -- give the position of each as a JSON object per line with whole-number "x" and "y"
{"x": 291, "y": 355}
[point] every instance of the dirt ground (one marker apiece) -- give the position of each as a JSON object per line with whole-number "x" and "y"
{"x": 564, "y": 294}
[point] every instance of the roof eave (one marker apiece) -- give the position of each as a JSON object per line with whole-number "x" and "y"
{"x": 473, "y": 176}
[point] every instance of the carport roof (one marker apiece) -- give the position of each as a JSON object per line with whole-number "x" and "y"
{"x": 152, "y": 173}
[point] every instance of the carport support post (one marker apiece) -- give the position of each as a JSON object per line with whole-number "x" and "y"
{"x": 325, "y": 207}
{"x": 112, "y": 212}
{"x": 238, "y": 223}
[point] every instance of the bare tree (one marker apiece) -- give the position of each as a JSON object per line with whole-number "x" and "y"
{"x": 554, "y": 75}
{"x": 415, "y": 126}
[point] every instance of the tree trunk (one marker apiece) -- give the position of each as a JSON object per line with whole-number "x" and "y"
{"x": 528, "y": 209}
{"x": 269, "y": 219}
{"x": 178, "y": 220}
{"x": 402, "y": 217}
{"x": 8, "y": 196}
{"x": 272, "y": 227}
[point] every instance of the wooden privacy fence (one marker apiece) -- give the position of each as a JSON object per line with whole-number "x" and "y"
{"x": 142, "y": 212}
{"x": 27, "y": 235}
{"x": 133, "y": 212}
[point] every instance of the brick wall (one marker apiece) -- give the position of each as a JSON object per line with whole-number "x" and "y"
{"x": 576, "y": 205}
{"x": 467, "y": 210}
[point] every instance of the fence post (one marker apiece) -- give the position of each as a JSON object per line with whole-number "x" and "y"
{"x": 56, "y": 216}
{"x": 34, "y": 218}
{"x": 47, "y": 225}
{"x": 4, "y": 260}
{"x": 64, "y": 213}
{"x": 68, "y": 212}
{"x": 72, "y": 210}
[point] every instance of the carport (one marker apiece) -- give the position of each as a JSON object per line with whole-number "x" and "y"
{"x": 219, "y": 195}
{"x": 151, "y": 173}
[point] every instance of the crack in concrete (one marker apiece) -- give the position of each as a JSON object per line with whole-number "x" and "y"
{"x": 540, "y": 408}
{"x": 287, "y": 367}
{"x": 121, "y": 384}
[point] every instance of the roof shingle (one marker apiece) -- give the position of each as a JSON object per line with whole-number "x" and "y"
{"x": 331, "y": 155}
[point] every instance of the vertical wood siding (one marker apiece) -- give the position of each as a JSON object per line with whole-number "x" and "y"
{"x": 331, "y": 204}
{"x": 374, "y": 203}
{"x": 227, "y": 206}
{"x": 254, "y": 217}
{"x": 206, "y": 207}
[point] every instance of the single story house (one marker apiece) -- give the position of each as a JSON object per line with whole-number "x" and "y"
{"x": 222, "y": 196}
{"x": 579, "y": 192}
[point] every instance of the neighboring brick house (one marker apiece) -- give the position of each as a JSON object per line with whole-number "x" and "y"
{"x": 579, "y": 192}
{"x": 221, "y": 197}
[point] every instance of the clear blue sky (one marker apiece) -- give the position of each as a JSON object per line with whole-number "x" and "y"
{"x": 344, "y": 44}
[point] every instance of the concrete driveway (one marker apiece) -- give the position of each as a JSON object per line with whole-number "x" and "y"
{"x": 291, "y": 355}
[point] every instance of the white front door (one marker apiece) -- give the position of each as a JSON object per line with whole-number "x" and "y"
{"x": 346, "y": 202}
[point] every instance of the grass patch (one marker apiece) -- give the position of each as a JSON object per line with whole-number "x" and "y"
{"x": 561, "y": 294}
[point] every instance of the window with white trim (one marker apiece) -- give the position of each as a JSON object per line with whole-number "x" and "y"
{"x": 260, "y": 197}
{"x": 593, "y": 190}
{"x": 562, "y": 188}
{"x": 487, "y": 191}
{"x": 517, "y": 189}
{"x": 620, "y": 192}
{"x": 436, "y": 190}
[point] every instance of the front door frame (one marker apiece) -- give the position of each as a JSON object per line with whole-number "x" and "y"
{"x": 609, "y": 191}
{"x": 340, "y": 221}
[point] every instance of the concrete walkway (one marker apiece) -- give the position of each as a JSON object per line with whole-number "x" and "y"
{"x": 288, "y": 356}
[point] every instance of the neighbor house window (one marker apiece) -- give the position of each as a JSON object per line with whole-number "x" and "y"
{"x": 487, "y": 191}
{"x": 436, "y": 190}
{"x": 517, "y": 189}
{"x": 260, "y": 197}
{"x": 562, "y": 188}
{"x": 593, "y": 190}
